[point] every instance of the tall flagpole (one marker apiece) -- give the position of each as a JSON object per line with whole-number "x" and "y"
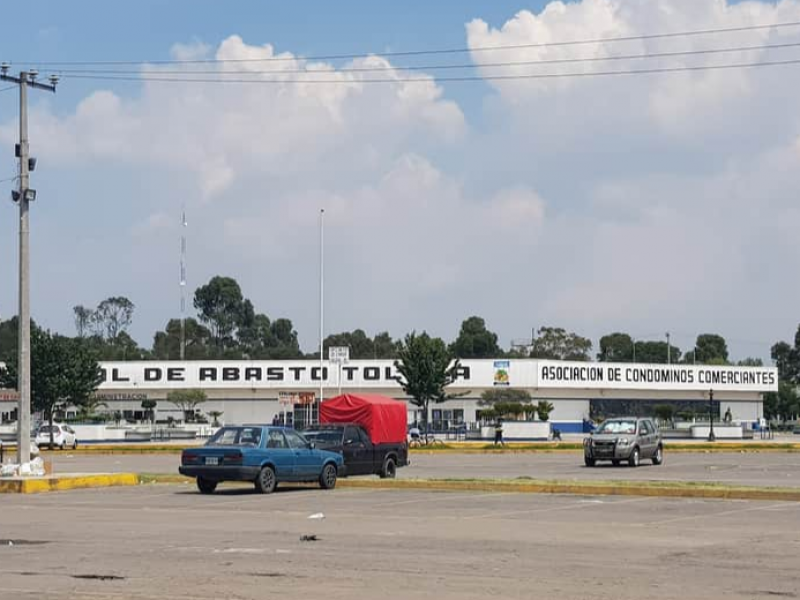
{"x": 321, "y": 302}
{"x": 183, "y": 284}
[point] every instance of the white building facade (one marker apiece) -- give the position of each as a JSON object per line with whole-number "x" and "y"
{"x": 256, "y": 391}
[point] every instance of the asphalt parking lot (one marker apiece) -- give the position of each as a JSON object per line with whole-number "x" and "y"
{"x": 166, "y": 541}
{"x": 757, "y": 469}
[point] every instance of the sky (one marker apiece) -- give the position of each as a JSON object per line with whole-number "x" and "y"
{"x": 636, "y": 203}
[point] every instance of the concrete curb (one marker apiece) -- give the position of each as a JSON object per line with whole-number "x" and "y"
{"x": 683, "y": 490}
{"x": 577, "y": 488}
{"x": 59, "y": 483}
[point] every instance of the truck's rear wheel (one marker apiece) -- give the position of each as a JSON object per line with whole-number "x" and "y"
{"x": 389, "y": 469}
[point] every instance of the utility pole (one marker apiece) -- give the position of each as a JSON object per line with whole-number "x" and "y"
{"x": 24, "y": 195}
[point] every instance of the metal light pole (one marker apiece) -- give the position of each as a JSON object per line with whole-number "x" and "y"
{"x": 711, "y": 436}
{"x": 25, "y": 195}
{"x": 321, "y": 303}
{"x": 183, "y": 285}
{"x": 669, "y": 357}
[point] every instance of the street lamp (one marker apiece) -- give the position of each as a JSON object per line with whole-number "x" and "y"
{"x": 711, "y": 436}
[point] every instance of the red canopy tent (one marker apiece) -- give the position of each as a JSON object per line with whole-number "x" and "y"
{"x": 384, "y": 419}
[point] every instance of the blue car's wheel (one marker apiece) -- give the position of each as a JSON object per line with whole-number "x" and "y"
{"x": 327, "y": 479}
{"x": 266, "y": 482}
{"x": 206, "y": 486}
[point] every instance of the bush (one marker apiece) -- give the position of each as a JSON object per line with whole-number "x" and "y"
{"x": 544, "y": 408}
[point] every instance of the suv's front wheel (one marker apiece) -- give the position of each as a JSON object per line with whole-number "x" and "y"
{"x": 633, "y": 460}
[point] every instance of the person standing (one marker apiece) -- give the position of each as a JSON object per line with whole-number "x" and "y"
{"x": 498, "y": 433}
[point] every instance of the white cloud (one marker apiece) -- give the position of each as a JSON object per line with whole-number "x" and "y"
{"x": 640, "y": 203}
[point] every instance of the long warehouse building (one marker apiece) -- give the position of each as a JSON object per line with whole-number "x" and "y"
{"x": 256, "y": 391}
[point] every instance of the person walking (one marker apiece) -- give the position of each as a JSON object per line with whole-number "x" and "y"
{"x": 498, "y": 433}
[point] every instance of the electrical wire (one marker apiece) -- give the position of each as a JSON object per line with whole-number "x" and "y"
{"x": 504, "y": 64}
{"x": 465, "y": 78}
{"x": 607, "y": 40}
{"x": 9, "y": 179}
{"x": 5, "y": 89}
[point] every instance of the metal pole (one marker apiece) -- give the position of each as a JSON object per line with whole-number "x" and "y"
{"x": 321, "y": 302}
{"x": 183, "y": 286}
{"x": 669, "y": 358}
{"x": 24, "y": 423}
{"x": 711, "y": 436}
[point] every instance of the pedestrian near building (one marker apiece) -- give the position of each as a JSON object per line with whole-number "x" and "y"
{"x": 498, "y": 433}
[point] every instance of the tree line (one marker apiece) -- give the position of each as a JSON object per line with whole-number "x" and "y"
{"x": 65, "y": 369}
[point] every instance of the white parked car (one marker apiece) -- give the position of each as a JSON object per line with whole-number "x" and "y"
{"x": 63, "y": 436}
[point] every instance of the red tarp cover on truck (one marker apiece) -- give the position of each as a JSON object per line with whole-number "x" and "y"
{"x": 384, "y": 419}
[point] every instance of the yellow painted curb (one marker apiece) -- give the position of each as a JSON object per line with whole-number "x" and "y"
{"x": 60, "y": 483}
{"x": 693, "y": 490}
{"x": 578, "y": 488}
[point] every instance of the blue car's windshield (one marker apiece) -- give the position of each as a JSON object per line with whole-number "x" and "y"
{"x": 236, "y": 436}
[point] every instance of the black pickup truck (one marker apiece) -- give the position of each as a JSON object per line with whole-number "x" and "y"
{"x": 361, "y": 456}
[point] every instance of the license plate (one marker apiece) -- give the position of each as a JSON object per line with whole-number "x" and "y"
{"x": 212, "y": 460}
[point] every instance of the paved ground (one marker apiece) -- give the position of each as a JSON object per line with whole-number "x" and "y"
{"x": 766, "y": 468}
{"x": 166, "y": 542}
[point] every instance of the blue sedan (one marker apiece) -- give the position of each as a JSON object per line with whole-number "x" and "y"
{"x": 262, "y": 454}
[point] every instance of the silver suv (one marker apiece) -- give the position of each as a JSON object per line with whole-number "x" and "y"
{"x": 628, "y": 438}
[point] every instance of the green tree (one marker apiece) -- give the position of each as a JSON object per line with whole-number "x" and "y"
{"x": 493, "y": 396}
{"x": 84, "y": 320}
{"x": 787, "y": 359}
{"x": 656, "y": 352}
{"x": 544, "y": 408}
{"x": 113, "y": 316}
{"x": 9, "y": 337}
{"x": 384, "y": 347}
{"x": 475, "y": 341}
{"x": 361, "y": 346}
{"x": 149, "y": 406}
{"x": 556, "y": 344}
{"x": 425, "y": 370}
{"x": 89, "y": 408}
{"x": 664, "y": 412}
{"x": 711, "y": 348}
{"x": 616, "y": 347}
{"x": 783, "y": 404}
{"x": 215, "y": 414}
{"x": 750, "y": 362}
{"x": 64, "y": 372}
{"x": 187, "y": 401}
{"x": 167, "y": 343}
{"x": 222, "y": 307}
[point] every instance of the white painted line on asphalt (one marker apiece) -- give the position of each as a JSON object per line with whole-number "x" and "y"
{"x": 444, "y": 495}
{"x": 725, "y": 513}
{"x": 578, "y": 504}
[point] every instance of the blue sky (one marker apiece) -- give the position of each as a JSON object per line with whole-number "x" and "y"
{"x": 633, "y": 204}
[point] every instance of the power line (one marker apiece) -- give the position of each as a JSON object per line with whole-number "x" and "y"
{"x": 465, "y": 78}
{"x": 502, "y": 64}
{"x": 10, "y": 87}
{"x": 462, "y": 50}
{"x": 9, "y": 179}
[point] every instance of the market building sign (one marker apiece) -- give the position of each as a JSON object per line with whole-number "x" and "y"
{"x": 473, "y": 375}
{"x": 558, "y": 374}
